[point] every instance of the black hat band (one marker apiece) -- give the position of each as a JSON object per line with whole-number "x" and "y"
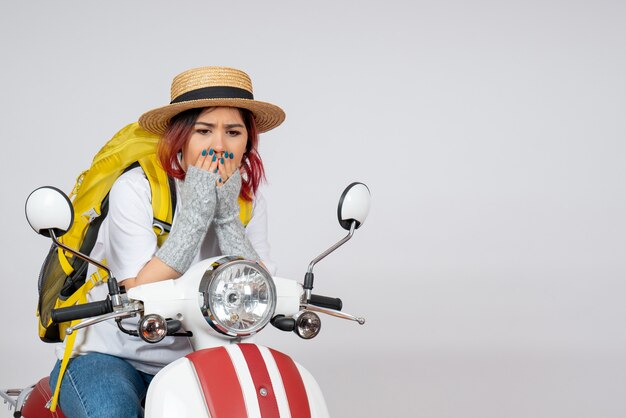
{"x": 215, "y": 92}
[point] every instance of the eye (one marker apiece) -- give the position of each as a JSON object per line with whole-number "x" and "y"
{"x": 202, "y": 131}
{"x": 233, "y": 133}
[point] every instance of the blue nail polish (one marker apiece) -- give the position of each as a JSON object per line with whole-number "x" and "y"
{"x": 221, "y": 160}
{"x": 211, "y": 151}
{"x": 214, "y": 157}
{"x": 203, "y": 152}
{"x": 232, "y": 155}
{"x": 220, "y": 180}
{"x": 225, "y": 155}
{"x": 215, "y": 170}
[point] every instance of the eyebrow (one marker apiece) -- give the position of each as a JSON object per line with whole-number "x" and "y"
{"x": 228, "y": 126}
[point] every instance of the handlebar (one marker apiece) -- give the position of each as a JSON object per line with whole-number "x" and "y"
{"x": 85, "y": 310}
{"x": 326, "y": 302}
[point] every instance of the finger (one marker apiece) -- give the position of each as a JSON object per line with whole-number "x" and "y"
{"x": 222, "y": 169}
{"x": 230, "y": 164}
{"x": 213, "y": 161}
{"x": 208, "y": 160}
{"x": 201, "y": 158}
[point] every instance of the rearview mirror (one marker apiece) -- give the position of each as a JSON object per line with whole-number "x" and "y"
{"x": 354, "y": 205}
{"x": 49, "y": 208}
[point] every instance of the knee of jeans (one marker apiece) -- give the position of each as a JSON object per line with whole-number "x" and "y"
{"x": 90, "y": 403}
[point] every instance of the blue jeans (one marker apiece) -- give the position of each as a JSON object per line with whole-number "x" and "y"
{"x": 98, "y": 385}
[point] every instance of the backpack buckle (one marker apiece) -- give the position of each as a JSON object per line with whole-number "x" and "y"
{"x": 91, "y": 214}
{"x": 160, "y": 227}
{"x": 96, "y": 278}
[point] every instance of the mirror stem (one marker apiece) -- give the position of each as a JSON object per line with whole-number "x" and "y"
{"x": 76, "y": 253}
{"x": 308, "y": 277}
{"x": 114, "y": 289}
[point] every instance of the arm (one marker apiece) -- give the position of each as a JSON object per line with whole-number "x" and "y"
{"x": 228, "y": 227}
{"x": 229, "y": 230}
{"x": 130, "y": 242}
{"x": 193, "y": 220}
{"x": 154, "y": 271}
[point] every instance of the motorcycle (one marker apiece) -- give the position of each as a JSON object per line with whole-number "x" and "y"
{"x": 220, "y": 304}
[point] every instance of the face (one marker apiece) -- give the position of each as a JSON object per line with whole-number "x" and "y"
{"x": 221, "y": 129}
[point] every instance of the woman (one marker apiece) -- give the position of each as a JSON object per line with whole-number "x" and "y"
{"x": 209, "y": 145}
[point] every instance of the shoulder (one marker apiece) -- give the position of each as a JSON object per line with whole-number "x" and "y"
{"x": 134, "y": 177}
{"x": 132, "y": 180}
{"x": 131, "y": 186}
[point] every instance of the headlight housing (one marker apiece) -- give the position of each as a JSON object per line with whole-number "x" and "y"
{"x": 237, "y": 296}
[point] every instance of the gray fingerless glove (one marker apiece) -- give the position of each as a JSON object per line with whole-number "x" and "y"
{"x": 230, "y": 232}
{"x": 192, "y": 219}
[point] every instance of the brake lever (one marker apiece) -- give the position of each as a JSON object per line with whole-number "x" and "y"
{"x": 125, "y": 311}
{"x": 333, "y": 312}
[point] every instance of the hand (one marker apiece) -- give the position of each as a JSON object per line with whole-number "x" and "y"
{"x": 208, "y": 160}
{"x": 228, "y": 227}
{"x": 226, "y": 167}
{"x": 227, "y": 207}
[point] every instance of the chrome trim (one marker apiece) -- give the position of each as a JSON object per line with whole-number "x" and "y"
{"x": 298, "y": 317}
{"x": 142, "y": 324}
{"x": 16, "y": 398}
{"x": 126, "y": 311}
{"x": 10, "y": 396}
{"x": 328, "y": 251}
{"x": 333, "y": 312}
{"x": 206, "y": 281}
{"x": 117, "y": 300}
{"x": 23, "y": 397}
{"x": 77, "y": 254}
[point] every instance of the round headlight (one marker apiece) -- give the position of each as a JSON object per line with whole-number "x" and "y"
{"x": 237, "y": 297}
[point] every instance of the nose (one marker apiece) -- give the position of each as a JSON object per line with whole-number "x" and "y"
{"x": 218, "y": 142}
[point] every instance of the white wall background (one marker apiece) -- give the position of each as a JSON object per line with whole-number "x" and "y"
{"x": 491, "y": 134}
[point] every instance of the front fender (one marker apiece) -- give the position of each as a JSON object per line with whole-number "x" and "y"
{"x": 235, "y": 380}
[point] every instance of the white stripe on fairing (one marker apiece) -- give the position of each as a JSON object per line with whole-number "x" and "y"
{"x": 317, "y": 404}
{"x": 245, "y": 380}
{"x": 277, "y": 382}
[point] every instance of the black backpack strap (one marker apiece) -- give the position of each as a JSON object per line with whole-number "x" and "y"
{"x": 172, "y": 183}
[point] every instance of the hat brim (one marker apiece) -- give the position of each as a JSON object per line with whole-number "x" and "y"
{"x": 266, "y": 115}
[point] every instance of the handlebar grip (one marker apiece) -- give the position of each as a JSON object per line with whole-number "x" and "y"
{"x": 326, "y": 302}
{"x": 85, "y": 310}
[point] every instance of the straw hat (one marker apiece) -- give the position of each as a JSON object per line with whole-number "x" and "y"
{"x": 212, "y": 86}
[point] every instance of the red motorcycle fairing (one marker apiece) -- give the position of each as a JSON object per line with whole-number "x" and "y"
{"x": 275, "y": 383}
{"x": 35, "y": 405}
{"x": 227, "y": 396}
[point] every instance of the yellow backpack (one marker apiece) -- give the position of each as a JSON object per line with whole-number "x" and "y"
{"x": 62, "y": 280}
